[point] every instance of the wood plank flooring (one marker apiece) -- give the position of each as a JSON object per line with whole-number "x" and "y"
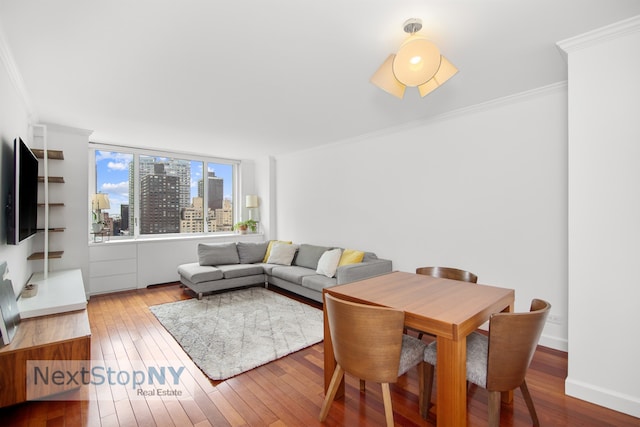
{"x": 286, "y": 392}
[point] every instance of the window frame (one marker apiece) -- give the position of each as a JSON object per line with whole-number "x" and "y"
{"x": 179, "y": 155}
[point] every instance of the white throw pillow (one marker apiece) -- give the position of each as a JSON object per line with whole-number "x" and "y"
{"x": 328, "y": 263}
{"x": 282, "y": 253}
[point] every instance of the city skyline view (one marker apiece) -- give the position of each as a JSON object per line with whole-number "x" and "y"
{"x": 112, "y": 177}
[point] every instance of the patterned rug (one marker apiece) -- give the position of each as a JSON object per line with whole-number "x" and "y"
{"x": 230, "y": 333}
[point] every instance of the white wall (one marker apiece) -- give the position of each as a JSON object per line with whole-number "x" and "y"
{"x": 482, "y": 190}
{"x": 604, "y": 216}
{"x": 14, "y": 122}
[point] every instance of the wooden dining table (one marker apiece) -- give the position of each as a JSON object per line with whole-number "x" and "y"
{"x": 448, "y": 309}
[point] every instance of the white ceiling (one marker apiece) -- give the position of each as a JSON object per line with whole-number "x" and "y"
{"x": 248, "y": 78}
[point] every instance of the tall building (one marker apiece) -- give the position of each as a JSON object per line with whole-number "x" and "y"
{"x": 215, "y": 190}
{"x": 172, "y": 167}
{"x": 159, "y": 202}
{"x": 132, "y": 199}
{"x": 124, "y": 217}
{"x": 180, "y": 169}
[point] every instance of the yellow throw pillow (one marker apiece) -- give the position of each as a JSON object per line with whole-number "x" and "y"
{"x": 351, "y": 256}
{"x": 270, "y": 245}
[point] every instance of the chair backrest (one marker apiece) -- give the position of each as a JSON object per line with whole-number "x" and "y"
{"x": 448, "y": 273}
{"x": 367, "y": 339}
{"x": 513, "y": 338}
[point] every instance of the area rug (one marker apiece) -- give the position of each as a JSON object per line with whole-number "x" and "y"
{"x": 230, "y": 333}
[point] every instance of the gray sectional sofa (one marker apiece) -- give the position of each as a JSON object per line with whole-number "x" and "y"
{"x": 291, "y": 267}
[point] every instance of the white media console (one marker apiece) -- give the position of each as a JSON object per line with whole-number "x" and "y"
{"x": 60, "y": 292}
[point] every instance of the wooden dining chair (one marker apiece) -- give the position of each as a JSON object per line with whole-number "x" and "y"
{"x": 446, "y": 273}
{"x": 368, "y": 343}
{"x": 497, "y": 362}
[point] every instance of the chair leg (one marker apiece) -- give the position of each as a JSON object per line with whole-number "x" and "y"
{"x": 425, "y": 398}
{"x": 362, "y": 386}
{"x": 527, "y": 398}
{"x": 331, "y": 392}
{"x": 494, "y": 408}
{"x": 421, "y": 380}
{"x": 420, "y": 335}
{"x": 388, "y": 408}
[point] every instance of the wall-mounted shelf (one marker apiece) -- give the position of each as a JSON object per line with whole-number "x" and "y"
{"x": 51, "y": 154}
{"x": 45, "y": 155}
{"x": 40, "y": 255}
{"x": 52, "y": 179}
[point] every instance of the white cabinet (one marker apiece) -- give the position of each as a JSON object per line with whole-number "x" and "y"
{"x": 131, "y": 264}
{"x": 112, "y": 267}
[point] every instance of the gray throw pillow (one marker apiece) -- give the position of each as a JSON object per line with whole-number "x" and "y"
{"x": 250, "y": 253}
{"x": 309, "y": 255}
{"x": 217, "y": 254}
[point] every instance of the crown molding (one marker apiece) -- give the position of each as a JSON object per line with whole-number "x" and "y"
{"x": 6, "y": 57}
{"x": 558, "y": 87}
{"x": 610, "y": 32}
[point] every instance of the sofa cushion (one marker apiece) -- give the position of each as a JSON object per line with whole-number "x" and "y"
{"x": 351, "y": 256}
{"x": 231, "y": 271}
{"x": 369, "y": 256}
{"x": 250, "y": 252}
{"x": 328, "y": 263}
{"x": 293, "y": 274}
{"x": 196, "y": 273}
{"x": 268, "y": 268}
{"x": 309, "y": 255}
{"x": 270, "y": 245}
{"x": 318, "y": 282}
{"x": 217, "y": 254}
{"x": 282, "y": 253}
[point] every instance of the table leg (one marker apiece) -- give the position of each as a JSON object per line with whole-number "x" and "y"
{"x": 452, "y": 380}
{"x": 329, "y": 358}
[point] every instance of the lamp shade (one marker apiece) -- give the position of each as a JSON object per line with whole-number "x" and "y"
{"x": 418, "y": 62}
{"x": 444, "y": 73}
{"x": 251, "y": 201}
{"x": 385, "y": 80}
{"x": 100, "y": 201}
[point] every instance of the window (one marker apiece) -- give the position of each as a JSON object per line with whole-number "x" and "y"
{"x": 154, "y": 193}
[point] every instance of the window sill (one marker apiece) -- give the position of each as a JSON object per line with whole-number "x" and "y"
{"x": 115, "y": 240}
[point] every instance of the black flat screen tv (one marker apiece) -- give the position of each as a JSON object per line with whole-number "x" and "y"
{"x": 22, "y": 203}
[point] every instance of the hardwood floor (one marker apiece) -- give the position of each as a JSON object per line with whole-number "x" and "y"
{"x": 286, "y": 392}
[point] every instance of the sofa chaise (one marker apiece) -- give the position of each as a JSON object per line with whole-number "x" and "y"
{"x": 302, "y": 269}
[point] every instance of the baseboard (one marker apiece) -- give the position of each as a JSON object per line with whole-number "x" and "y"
{"x": 603, "y": 397}
{"x": 554, "y": 342}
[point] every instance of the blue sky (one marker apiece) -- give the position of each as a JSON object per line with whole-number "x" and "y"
{"x": 112, "y": 177}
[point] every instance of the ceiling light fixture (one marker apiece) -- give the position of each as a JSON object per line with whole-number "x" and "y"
{"x": 417, "y": 63}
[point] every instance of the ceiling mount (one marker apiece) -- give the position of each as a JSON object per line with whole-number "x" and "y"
{"x": 412, "y": 25}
